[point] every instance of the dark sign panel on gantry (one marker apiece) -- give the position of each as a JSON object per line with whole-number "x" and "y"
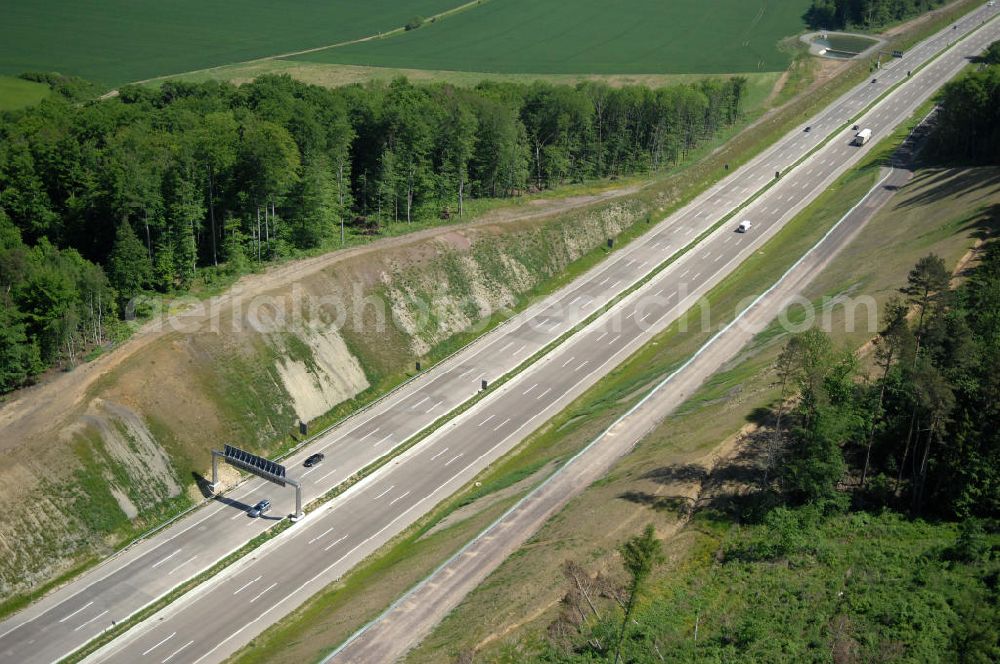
{"x": 258, "y": 465}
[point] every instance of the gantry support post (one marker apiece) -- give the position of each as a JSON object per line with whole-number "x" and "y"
{"x": 298, "y": 499}
{"x": 213, "y": 487}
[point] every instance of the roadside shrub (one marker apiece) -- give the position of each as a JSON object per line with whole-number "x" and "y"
{"x": 785, "y": 534}
{"x": 972, "y": 544}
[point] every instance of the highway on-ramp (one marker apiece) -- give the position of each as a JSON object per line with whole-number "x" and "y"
{"x": 226, "y": 612}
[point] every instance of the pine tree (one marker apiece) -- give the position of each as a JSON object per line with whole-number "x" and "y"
{"x": 927, "y": 285}
{"x": 640, "y": 555}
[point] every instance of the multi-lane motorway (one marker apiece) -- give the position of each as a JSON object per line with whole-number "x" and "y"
{"x": 408, "y": 621}
{"x": 226, "y": 612}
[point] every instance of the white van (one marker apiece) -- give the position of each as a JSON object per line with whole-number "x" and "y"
{"x": 744, "y": 226}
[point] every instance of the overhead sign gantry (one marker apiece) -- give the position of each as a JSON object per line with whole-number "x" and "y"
{"x": 259, "y": 466}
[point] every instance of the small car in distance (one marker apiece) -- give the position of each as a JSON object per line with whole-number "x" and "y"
{"x": 744, "y": 226}
{"x": 808, "y": 128}
{"x": 314, "y": 459}
{"x": 260, "y": 509}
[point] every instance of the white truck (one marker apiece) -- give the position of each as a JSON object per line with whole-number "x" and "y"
{"x": 862, "y": 137}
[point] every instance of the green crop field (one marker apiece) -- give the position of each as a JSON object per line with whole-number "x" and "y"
{"x": 17, "y": 93}
{"x": 591, "y": 36}
{"x": 117, "y": 41}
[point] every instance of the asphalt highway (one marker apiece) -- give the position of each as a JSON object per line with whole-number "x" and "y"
{"x": 413, "y": 616}
{"x": 226, "y": 612}
{"x": 216, "y": 621}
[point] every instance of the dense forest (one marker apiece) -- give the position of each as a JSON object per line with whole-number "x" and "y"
{"x": 968, "y": 124}
{"x": 870, "y": 529}
{"x": 916, "y": 431}
{"x": 101, "y": 200}
{"x": 866, "y": 14}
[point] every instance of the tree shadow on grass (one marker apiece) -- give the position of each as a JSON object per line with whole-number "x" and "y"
{"x": 951, "y": 182}
{"x": 761, "y": 416}
{"x": 687, "y": 472}
{"x": 680, "y": 505}
{"x": 986, "y": 224}
{"x": 741, "y": 470}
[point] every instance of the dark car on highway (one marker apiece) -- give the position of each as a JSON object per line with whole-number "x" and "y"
{"x": 260, "y": 508}
{"x": 314, "y": 459}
